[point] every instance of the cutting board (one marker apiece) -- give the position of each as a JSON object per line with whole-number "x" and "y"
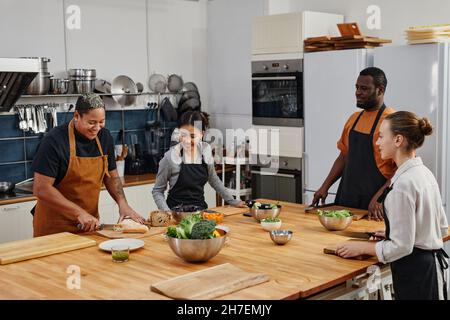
{"x": 209, "y": 283}
{"x": 332, "y": 250}
{"x": 230, "y": 211}
{"x": 16, "y": 251}
{"x": 111, "y": 234}
{"x": 357, "y": 213}
{"x": 349, "y": 29}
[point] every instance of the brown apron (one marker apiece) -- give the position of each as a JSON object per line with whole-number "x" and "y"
{"x": 81, "y": 185}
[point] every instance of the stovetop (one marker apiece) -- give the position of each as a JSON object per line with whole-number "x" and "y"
{"x": 16, "y": 193}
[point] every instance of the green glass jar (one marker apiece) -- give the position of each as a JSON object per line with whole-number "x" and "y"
{"x": 120, "y": 253}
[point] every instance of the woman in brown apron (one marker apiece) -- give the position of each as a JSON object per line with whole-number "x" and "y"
{"x": 69, "y": 198}
{"x": 414, "y": 216}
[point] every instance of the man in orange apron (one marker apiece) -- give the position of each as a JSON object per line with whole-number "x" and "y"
{"x": 364, "y": 175}
{"x": 70, "y": 166}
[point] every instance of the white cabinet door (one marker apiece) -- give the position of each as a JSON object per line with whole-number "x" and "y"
{"x": 16, "y": 221}
{"x": 107, "y": 208}
{"x": 210, "y": 196}
{"x": 140, "y": 199}
{"x": 284, "y": 33}
{"x": 279, "y": 33}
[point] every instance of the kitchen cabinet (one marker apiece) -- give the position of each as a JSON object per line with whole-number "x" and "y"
{"x": 210, "y": 196}
{"x": 284, "y": 33}
{"x": 16, "y": 221}
{"x": 140, "y": 199}
{"x": 107, "y": 208}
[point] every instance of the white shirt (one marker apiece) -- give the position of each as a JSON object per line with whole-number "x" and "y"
{"x": 415, "y": 213}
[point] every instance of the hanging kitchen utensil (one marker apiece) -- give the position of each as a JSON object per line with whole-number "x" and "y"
{"x": 188, "y": 95}
{"x": 190, "y": 86}
{"x": 102, "y": 86}
{"x": 191, "y": 104}
{"x": 174, "y": 83}
{"x": 157, "y": 83}
{"x": 140, "y": 87}
{"x": 168, "y": 111}
{"x": 124, "y": 85}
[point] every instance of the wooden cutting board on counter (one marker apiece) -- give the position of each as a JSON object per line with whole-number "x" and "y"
{"x": 209, "y": 283}
{"x": 230, "y": 211}
{"x": 16, "y": 251}
{"x": 357, "y": 213}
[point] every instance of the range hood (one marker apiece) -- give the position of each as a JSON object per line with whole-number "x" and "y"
{"x": 15, "y": 76}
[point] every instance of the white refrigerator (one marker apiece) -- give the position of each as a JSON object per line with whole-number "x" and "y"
{"x": 419, "y": 81}
{"x": 329, "y": 99}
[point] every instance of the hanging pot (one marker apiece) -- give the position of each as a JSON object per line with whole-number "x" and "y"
{"x": 190, "y": 86}
{"x": 174, "y": 83}
{"x": 188, "y": 95}
{"x": 122, "y": 86}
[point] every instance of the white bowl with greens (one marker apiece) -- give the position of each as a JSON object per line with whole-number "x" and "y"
{"x": 261, "y": 211}
{"x": 270, "y": 224}
{"x": 335, "y": 220}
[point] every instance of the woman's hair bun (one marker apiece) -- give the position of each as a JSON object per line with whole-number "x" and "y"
{"x": 425, "y": 126}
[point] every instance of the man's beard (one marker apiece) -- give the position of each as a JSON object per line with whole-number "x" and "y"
{"x": 372, "y": 103}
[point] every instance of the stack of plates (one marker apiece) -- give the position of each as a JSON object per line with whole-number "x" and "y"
{"x": 428, "y": 34}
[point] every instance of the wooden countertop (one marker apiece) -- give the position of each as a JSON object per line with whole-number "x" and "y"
{"x": 297, "y": 270}
{"x": 127, "y": 181}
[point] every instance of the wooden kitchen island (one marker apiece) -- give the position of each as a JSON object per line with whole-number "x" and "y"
{"x": 298, "y": 269}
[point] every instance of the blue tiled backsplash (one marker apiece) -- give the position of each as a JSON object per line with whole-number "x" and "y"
{"x": 17, "y": 148}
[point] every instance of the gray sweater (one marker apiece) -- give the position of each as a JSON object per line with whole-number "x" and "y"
{"x": 169, "y": 169}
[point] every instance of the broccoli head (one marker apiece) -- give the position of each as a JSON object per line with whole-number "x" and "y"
{"x": 203, "y": 229}
{"x": 184, "y": 228}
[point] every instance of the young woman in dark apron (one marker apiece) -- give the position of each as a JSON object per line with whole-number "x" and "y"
{"x": 413, "y": 213}
{"x": 187, "y": 167}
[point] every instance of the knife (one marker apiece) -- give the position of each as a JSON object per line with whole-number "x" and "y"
{"x": 355, "y": 234}
{"x": 310, "y": 208}
{"x": 102, "y": 226}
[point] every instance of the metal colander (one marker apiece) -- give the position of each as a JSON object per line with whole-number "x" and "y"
{"x": 157, "y": 83}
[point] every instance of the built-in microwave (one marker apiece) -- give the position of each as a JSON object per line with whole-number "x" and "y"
{"x": 277, "y": 93}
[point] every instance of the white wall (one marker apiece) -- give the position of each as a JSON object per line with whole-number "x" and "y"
{"x": 229, "y": 55}
{"x": 131, "y": 37}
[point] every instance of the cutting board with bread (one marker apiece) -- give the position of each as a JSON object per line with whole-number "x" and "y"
{"x": 128, "y": 228}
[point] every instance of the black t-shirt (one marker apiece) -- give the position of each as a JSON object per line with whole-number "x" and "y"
{"x": 52, "y": 155}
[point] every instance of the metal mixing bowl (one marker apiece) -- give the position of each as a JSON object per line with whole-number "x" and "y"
{"x": 260, "y": 214}
{"x": 281, "y": 236}
{"x": 193, "y": 250}
{"x": 335, "y": 224}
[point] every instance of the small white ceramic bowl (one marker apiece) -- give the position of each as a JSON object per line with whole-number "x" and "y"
{"x": 269, "y": 226}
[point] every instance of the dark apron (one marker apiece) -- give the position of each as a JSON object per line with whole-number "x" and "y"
{"x": 414, "y": 277}
{"x": 189, "y": 188}
{"x": 361, "y": 178}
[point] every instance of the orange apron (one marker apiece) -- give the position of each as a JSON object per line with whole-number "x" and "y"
{"x": 81, "y": 185}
